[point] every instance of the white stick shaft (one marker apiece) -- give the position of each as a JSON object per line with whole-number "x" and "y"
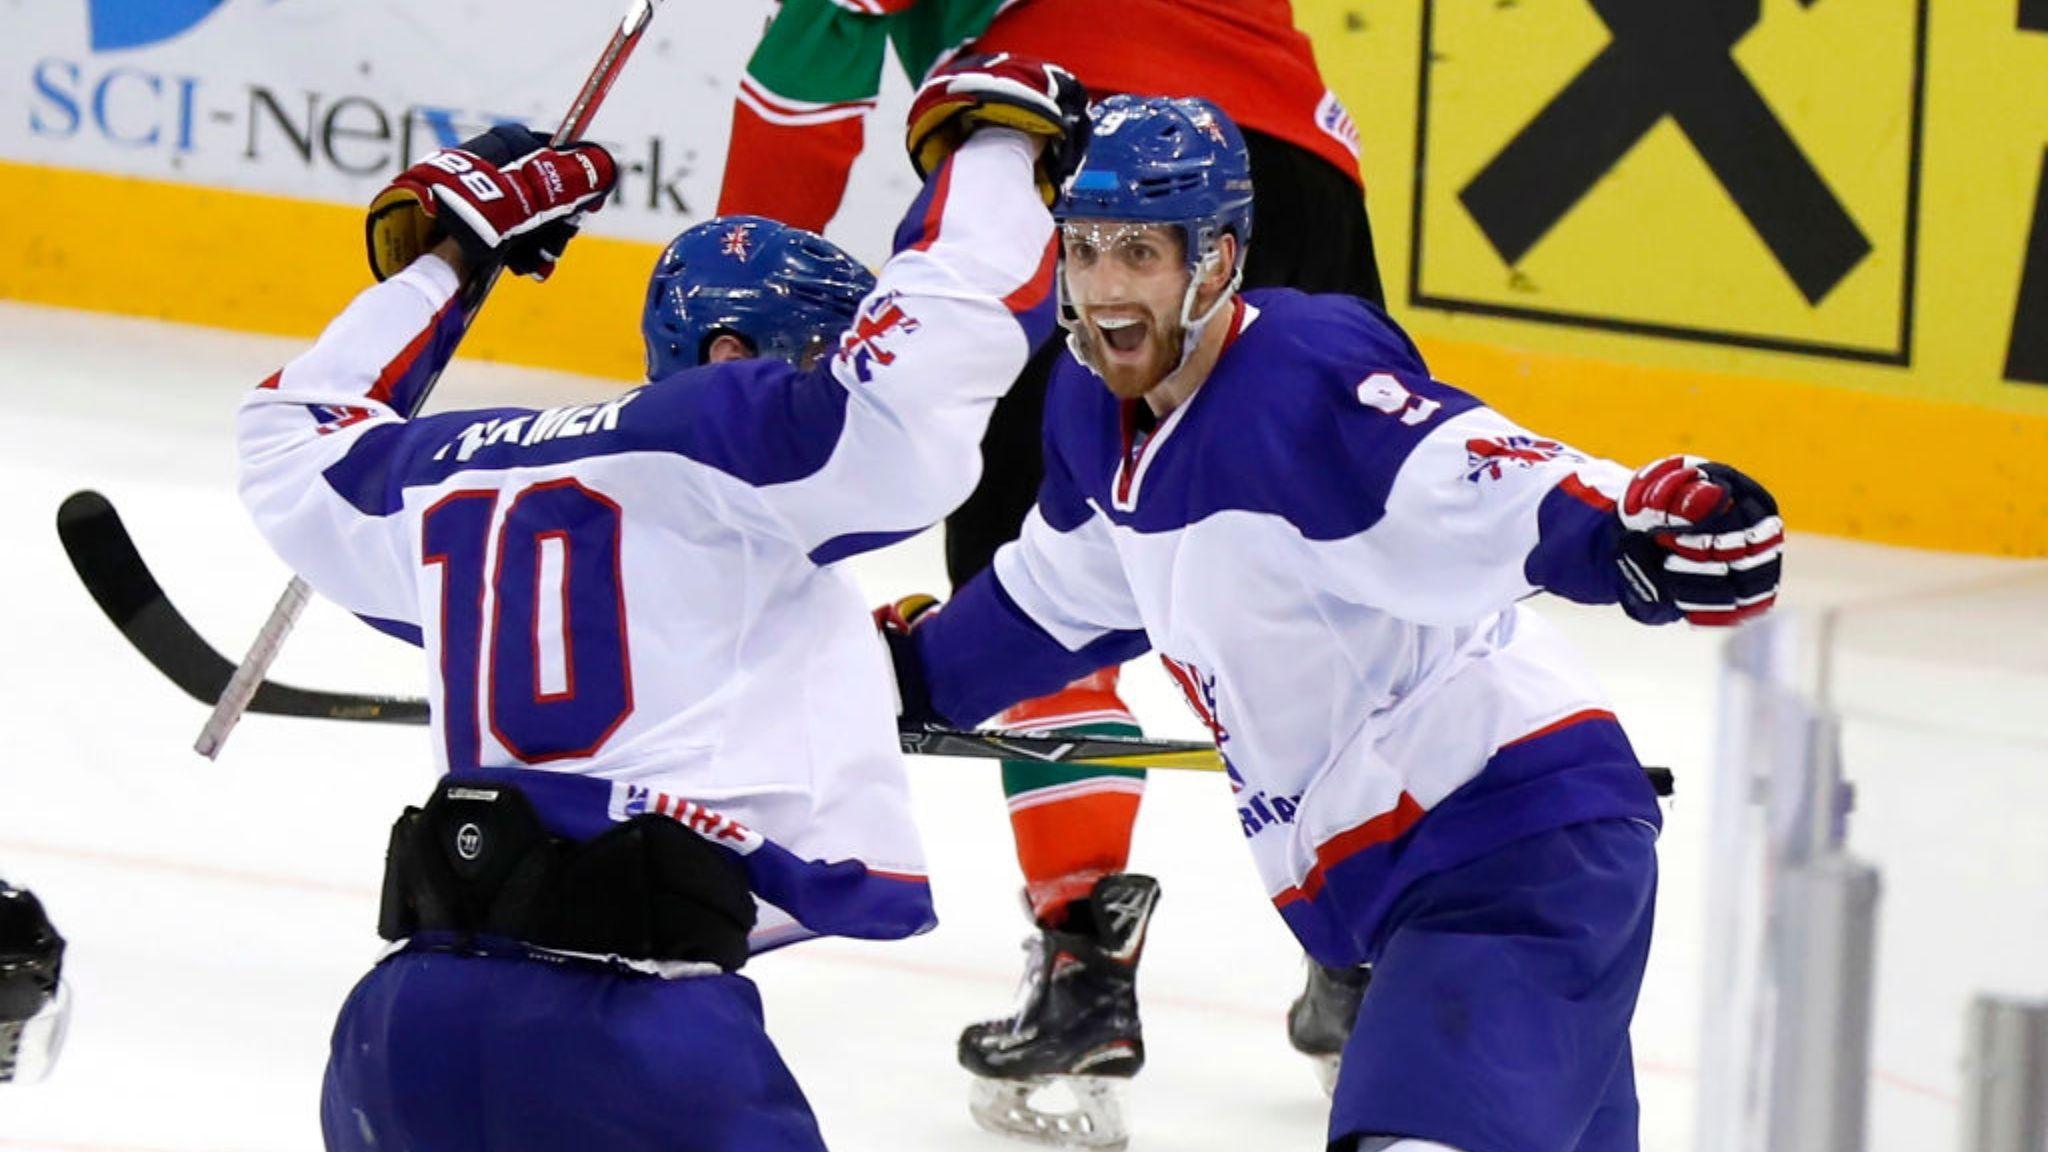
{"x": 234, "y": 699}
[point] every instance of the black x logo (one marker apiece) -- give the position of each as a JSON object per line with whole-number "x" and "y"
{"x": 2026, "y": 357}
{"x": 1670, "y": 58}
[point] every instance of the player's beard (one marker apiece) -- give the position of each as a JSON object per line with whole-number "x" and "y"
{"x": 1132, "y": 365}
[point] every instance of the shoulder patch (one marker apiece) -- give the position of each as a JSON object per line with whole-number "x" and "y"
{"x": 1492, "y": 457}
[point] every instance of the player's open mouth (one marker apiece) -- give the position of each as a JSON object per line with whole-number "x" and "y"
{"x": 1123, "y": 335}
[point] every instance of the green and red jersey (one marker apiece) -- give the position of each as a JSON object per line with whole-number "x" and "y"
{"x": 797, "y": 121}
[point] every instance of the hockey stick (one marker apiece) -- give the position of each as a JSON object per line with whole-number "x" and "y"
{"x": 113, "y": 571}
{"x": 238, "y": 694}
{"x": 120, "y": 582}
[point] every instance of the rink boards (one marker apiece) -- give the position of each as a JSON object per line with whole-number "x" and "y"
{"x": 1815, "y": 241}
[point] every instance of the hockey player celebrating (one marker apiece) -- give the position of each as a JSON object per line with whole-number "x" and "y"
{"x": 796, "y": 130}
{"x": 35, "y": 1004}
{"x": 663, "y": 719}
{"x": 1328, "y": 546}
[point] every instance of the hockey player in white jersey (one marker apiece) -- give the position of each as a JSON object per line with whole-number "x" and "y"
{"x": 1328, "y": 546}
{"x": 663, "y": 721}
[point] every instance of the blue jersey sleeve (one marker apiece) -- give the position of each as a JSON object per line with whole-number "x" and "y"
{"x": 1440, "y": 509}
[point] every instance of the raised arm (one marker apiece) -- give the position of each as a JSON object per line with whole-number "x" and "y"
{"x": 319, "y": 439}
{"x": 314, "y": 417}
{"x": 883, "y": 441}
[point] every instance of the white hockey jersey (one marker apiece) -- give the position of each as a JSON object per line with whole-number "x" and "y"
{"x": 630, "y": 604}
{"x": 1327, "y": 547}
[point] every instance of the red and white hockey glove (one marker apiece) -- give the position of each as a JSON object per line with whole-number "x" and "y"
{"x": 1032, "y": 96}
{"x": 507, "y": 194}
{"x": 896, "y": 622}
{"x": 1699, "y": 541}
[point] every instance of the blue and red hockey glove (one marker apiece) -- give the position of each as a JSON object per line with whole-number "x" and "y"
{"x": 507, "y": 194}
{"x": 1032, "y": 96}
{"x": 1700, "y": 541}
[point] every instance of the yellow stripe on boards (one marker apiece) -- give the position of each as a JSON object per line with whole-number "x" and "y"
{"x": 1888, "y": 469}
{"x": 271, "y": 264}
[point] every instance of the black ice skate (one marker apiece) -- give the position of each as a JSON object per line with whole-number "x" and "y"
{"x": 1319, "y": 1021}
{"x": 1076, "y": 1030}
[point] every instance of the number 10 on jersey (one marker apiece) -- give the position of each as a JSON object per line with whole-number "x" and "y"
{"x": 551, "y": 674}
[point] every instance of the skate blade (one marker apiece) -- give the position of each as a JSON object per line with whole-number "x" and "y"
{"x": 1030, "y": 1110}
{"x": 1326, "y": 1073}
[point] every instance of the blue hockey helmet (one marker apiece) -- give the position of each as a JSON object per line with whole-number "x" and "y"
{"x": 1165, "y": 160}
{"x": 787, "y": 292}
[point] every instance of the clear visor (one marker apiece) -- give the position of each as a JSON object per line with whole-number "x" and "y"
{"x": 1115, "y": 238}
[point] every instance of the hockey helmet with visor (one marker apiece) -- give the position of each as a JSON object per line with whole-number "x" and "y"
{"x": 1173, "y": 161}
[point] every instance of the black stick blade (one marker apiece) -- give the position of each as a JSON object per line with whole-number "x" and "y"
{"x": 113, "y": 571}
{"x": 105, "y": 559}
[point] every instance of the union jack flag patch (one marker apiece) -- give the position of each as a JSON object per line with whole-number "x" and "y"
{"x": 1490, "y": 458}
{"x": 335, "y": 417}
{"x": 870, "y": 341}
{"x": 737, "y": 241}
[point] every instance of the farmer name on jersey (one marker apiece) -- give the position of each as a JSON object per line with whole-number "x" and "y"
{"x": 538, "y": 427}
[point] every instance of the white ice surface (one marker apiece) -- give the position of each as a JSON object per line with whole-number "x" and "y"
{"x": 218, "y": 913}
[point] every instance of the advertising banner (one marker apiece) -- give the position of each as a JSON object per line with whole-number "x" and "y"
{"x": 326, "y": 99}
{"x": 1809, "y": 235}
